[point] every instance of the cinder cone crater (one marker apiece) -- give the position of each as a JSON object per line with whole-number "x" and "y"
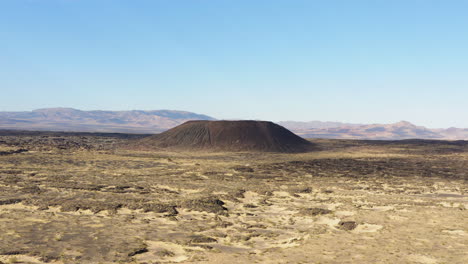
{"x": 245, "y": 135}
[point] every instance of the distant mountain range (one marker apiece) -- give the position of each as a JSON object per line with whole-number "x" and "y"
{"x": 400, "y": 130}
{"x": 69, "y": 119}
{"x": 156, "y": 121}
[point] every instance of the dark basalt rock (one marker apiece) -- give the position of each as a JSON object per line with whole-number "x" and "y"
{"x": 347, "y": 225}
{"x": 314, "y": 211}
{"x": 208, "y": 204}
{"x": 260, "y": 136}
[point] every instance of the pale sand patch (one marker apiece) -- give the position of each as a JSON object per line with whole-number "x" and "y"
{"x": 24, "y": 259}
{"x": 281, "y": 194}
{"x": 35, "y": 220}
{"x": 138, "y": 216}
{"x": 164, "y": 252}
{"x": 202, "y": 176}
{"x": 127, "y": 211}
{"x": 333, "y": 206}
{"x": 344, "y": 213}
{"x": 455, "y": 232}
{"x": 187, "y": 214}
{"x": 219, "y": 193}
{"x": 279, "y": 226}
{"x": 251, "y": 197}
{"x": 366, "y": 228}
{"x": 448, "y": 192}
{"x": 422, "y": 259}
{"x": 363, "y": 203}
{"x": 53, "y": 209}
{"x": 331, "y": 222}
{"x": 382, "y": 208}
{"x": 95, "y": 225}
{"x": 81, "y": 212}
{"x": 17, "y": 206}
{"x": 11, "y": 232}
{"x": 398, "y": 218}
{"x": 282, "y": 241}
{"x": 404, "y": 210}
{"x": 453, "y": 205}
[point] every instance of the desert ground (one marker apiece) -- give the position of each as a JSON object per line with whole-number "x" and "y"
{"x": 81, "y": 198}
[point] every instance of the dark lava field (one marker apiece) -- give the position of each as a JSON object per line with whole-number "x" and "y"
{"x": 87, "y": 198}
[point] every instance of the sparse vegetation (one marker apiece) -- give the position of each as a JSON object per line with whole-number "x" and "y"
{"x": 98, "y": 203}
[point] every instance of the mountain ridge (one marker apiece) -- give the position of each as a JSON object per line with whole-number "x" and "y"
{"x": 70, "y": 119}
{"x": 157, "y": 121}
{"x": 394, "y": 131}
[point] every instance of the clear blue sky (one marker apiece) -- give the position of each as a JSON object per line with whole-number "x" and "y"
{"x": 375, "y": 61}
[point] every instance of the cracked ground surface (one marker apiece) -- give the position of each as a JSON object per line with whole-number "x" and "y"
{"x": 67, "y": 198}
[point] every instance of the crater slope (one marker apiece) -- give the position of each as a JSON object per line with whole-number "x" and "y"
{"x": 246, "y": 135}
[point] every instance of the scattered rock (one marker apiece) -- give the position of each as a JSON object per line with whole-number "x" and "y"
{"x": 32, "y": 189}
{"x": 224, "y": 224}
{"x": 138, "y": 250}
{"x": 13, "y": 252}
{"x": 164, "y": 253}
{"x": 196, "y": 239}
{"x": 304, "y": 190}
{"x": 94, "y": 206}
{"x": 160, "y": 208}
{"x": 313, "y": 211}
{"x": 10, "y": 201}
{"x": 239, "y": 193}
{"x": 242, "y": 169}
{"x": 4, "y": 153}
{"x": 347, "y": 225}
{"x": 209, "y": 204}
{"x": 48, "y": 257}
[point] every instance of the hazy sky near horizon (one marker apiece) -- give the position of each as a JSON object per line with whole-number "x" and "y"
{"x": 355, "y": 61}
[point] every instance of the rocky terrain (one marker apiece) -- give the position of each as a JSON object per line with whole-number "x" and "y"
{"x": 77, "y": 198}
